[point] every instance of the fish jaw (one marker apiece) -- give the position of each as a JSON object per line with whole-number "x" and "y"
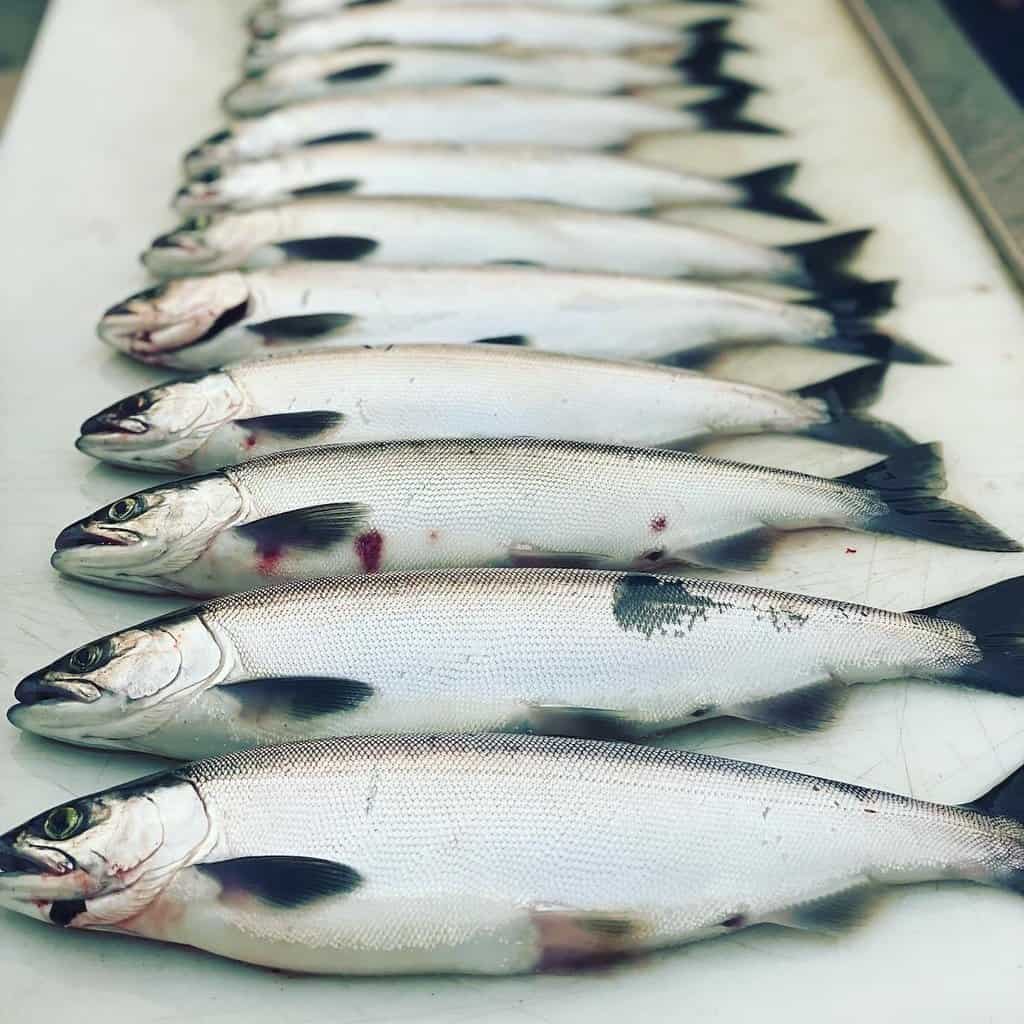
{"x": 211, "y": 154}
{"x": 154, "y": 324}
{"x": 181, "y": 252}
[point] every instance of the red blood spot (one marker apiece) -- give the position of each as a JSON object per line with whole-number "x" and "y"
{"x": 269, "y": 561}
{"x": 433, "y": 536}
{"x": 851, "y": 551}
{"x": 658, "y": 523}
{"x": 250, "y": 441}
{"x": 369, "y": 547}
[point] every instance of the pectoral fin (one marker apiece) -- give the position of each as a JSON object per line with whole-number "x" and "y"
{"x": 302, "y": 697}
{"x": 311, "y": 529}
{"x": 742, "y": 551}
{"x": 835, "y": 913}
{"x": 300, "y": 328}
{"x": 570, "y": 938}
{"x": 590, "y": 723}
{"x": 810, "y": 707}
{"x": 296, "y": 426}
{"x": 285, "y": 882}
{"x": 331, "y": 247}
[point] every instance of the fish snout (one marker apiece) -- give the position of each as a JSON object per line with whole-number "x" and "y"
{"x": 74, "y": 536}
{"x": 36, "y": 688}
{"x": 13, "y": 863}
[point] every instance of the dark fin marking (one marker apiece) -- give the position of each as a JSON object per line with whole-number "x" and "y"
{"x": 503, "y": 339}
{"x": 573, "y": 939}
{"x": 803, "y": 710}
{"x": 701, "y": 64}
{"x": 339, "y": 137}
{"x": 63, "y": 912}
{"x": 358, "y": 72}
{"x": 690, "y": 358}
{"x": 651, "y": 605}
{"x": 295, "y": 426}
{"x": 856, "y": 300}
{"x": 227, "y": 319}
{"x": 713, "y": 30}
{"x": 332, "y": 247}
{"x": 285, "y": 882}
{"x": 1006, "y": 800}
{"x": 995, "y": 616}
{"x": 485, "y": 81}
{"x": 832, "y": 914}
{"x": 588, "y": 723}
{"x": 526, "y": 556}
{"x": 310, "y": 529}
{"x": 821, "y": 263}
{"x": 765, "y": 193}
{"x": 909, "y": 482}
{"x": 302, "y": 697}
{"x": 743, "y": 551}
{"x": 327, "y": 188}
{"x": 844, "y": 396}
{"x": 514, "y": 263}
{"x": 299, "y": 328}
{"x": 722, "y": 114}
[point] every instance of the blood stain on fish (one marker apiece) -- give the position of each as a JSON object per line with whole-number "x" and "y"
{"x": 433, "y": 536}
{"x": 851, "y": 551}
{"x": 250, "y": 441}
{"x": 369, "y": 547}
{"x": 269, "y": 560}
{"x": 658, "y": 523}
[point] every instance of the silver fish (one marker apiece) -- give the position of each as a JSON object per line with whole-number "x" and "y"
{"x": 487, "y": 854}
{"x": 600, "y": 181}
{"x": 467, "y": 114}
{"x": 480, "y": 231}
{"x": 561, "y": 651}
{"x": 359, "y": 395}
{"x": 199, "y": 323}
{"x": 270, "y": 18}
{"x": 469, "y": 24}
{"x": 443, "y": 504}
{"x": 369, "y": 68}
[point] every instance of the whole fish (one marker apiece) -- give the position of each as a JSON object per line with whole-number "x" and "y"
{"x": 468, "y": 113}
{"x": 486, "y": 854}
{"x": 474, "y": 24}
{"x": 601, "y": 181}
{"x": 441, "y": 504}
{"x": 570, "y": 652}
{"x": 359, "y": 395}
{"x": 370, "y": 68}
{"x": 481, "y": 231}
{"x": 270, "y": 18}
{"x": 204, "y": 322}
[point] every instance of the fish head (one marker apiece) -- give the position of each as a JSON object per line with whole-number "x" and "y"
{"x": 211, "y": 154}
{"x": 186, "y": 250}
{"x": 99, "y": 861}
{"x": 161, "y": 428}
{"x": 140, "y": 541}
{"x": 156, "y": 325}
{"x": 122, "y": 687}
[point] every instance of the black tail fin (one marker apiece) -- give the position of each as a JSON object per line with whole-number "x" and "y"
{"x": 995, "y": 617}
{"x": 701, "y": 64}
{"x": 853, "y": 306}
{"x": 1006, "y": 800}
{"x": 820, "y": 265}
{"x": 909, "y": 483}
{"x": 722, "y": 113}
{"x": 765, "y": 193}
{"x": 843, "y": 397}
{"x": 712, "y": 31}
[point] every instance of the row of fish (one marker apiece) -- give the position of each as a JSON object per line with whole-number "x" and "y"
{"x": 409, "y": 501}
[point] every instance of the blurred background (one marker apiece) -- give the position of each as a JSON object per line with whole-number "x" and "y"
{"x": 19, "y": 21}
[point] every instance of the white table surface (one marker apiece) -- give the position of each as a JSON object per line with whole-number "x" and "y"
{"x": 116, "y": 91}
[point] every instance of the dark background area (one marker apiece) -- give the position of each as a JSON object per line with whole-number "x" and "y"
{"x": 996, "y": 28}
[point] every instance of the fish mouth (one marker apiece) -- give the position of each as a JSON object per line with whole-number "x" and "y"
{"x": 179, "y": 250}
{"x": 202, "y": 162}
{"x": 197, "y": 197}
{"x": 108, "y": 425}
{"x": 77, "y": 536}
{"x": 37, "y": 689}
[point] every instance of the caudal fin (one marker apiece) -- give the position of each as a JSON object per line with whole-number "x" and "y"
{"x": 723, "y": 113}
{"x": 765, "y": 192}
{"x": 995, "y": 617}
{"x": 844, "y": 397}
{"x": 853, "y": 306}
{"x": 820, "y": 266}
{"x": 1005, "y": 801}
{"x": 909, "y": 483}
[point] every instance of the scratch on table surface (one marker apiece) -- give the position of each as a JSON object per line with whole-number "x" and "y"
{"x": 903, "y": 749}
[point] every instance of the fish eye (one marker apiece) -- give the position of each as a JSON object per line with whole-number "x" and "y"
{"x": 87, "y": 658}
{"x": 123, "y": 509}
{"x": 63, "y": 822}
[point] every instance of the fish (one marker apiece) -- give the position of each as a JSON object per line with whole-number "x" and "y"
{"x": 485, "y": 853}
{"x": 594, "y": 180}
{"x": 468, "y": 114}
{"x": 362, "y": 395}
{"x": 360, "y": 69}
{"x": 200, "y": 323}
{"x": 548, "y": 651}
{"x": 270, "y": 18}
{"x": 475, "y": 25}
{"x": 405, "y": 231}
{"x": 440, "y": 504}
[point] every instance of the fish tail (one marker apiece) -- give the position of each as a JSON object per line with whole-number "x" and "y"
{"x": 711, "y": 33}
{"x": 764, "y": 191}
{"x": 845, "y": 397}
{"x": 723, "y": 113}
{"x": 909, "y": 482}
{"x": 820, "y": 266}
{"x": 995, "y": 617}
{"x": 853, "y": 306}
{"x": 1005, "y": 802}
